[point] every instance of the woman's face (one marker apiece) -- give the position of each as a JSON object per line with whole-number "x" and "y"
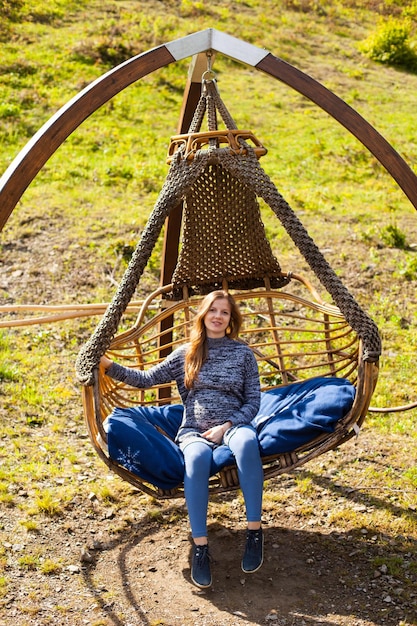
{"x": 217, "y": 318}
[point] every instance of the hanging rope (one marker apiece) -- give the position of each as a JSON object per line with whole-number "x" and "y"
{"x": 249, "y": 171}
{"x": 243, "y": 165}
{"x": 180, "y": 177}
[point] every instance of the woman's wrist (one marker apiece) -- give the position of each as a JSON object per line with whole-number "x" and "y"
{"x": 226, "y": 427}
{"x": 106, "y": 363}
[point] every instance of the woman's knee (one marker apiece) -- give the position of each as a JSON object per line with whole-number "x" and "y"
{"x": 244, "y": 442}
{"x": 197, "y": 458}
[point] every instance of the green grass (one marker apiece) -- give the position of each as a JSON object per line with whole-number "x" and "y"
{"x": 100, "y": 185}
{"x": 71, "y": 234}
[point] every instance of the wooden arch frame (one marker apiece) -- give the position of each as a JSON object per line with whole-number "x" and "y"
{"x": 51, "y": 135}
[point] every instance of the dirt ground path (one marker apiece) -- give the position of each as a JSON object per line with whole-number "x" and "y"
{"x": 127, "y": 563}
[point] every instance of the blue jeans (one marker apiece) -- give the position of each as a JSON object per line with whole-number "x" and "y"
{"x": 198, "y": 452}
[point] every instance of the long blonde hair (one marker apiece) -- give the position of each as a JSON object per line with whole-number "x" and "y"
{"x": 197, "y": 351}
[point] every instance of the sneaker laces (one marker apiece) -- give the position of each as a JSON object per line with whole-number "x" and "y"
{"x": 253, "y": 537}
{"x": 201, "y": 554}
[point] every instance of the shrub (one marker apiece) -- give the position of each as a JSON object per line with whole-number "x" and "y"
{"x": 10, "y": 9}
{"x": 409, "y": 270}
{"x": 9, "y": 12}
{"x": 7, "y": 373}
{"x": 110, "y": 49}
{"x": 393, "y": 237}
{"x": 390, "y": 44}
{"x": 9, "y": 110}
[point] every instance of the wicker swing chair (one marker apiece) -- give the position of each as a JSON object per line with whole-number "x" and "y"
{"x": 215, "y": 179}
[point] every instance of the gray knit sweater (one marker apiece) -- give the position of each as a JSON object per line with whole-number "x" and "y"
{"x": 227, "y": 388}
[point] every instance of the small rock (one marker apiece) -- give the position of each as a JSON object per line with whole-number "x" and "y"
{"x": 86, "y": 556}
{"x": 223, "y": 532}
{"x": 18, "y": 547}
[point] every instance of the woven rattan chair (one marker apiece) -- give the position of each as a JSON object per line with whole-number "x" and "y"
{"x": 216, "y": 178}
{"x": 209, "y": 170}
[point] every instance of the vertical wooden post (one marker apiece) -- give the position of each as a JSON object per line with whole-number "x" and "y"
{"x": 192, "y": 93}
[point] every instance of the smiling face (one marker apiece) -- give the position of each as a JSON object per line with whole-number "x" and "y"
{"x": 217, "y": 318}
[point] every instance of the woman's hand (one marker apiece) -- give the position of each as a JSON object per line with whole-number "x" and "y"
{"x": 105, "y": 363}
{"x": 216, "y": 434}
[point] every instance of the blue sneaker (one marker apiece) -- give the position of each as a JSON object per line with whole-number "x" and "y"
{"x": 200, "y": 568}
{"x": 254, "y": 551}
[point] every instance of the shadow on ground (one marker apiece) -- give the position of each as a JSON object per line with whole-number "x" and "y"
{"x": 309, "y": 576}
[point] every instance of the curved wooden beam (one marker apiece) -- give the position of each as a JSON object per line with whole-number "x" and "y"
{"x": 47, "y": 140}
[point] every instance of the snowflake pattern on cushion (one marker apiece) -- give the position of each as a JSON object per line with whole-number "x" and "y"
{"x": 129, "y": 459}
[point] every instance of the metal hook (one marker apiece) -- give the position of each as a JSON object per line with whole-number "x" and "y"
{"x": 209, "y": 55}
{"x": 209, "y": 75}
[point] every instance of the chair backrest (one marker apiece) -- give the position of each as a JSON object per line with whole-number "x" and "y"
{"x": 293, "y": 339}
{"x": 223, "y": 240}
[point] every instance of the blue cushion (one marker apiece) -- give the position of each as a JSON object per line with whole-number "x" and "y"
{"x": 136, "y": 444}
{"x": 294, "y": 415}
{"x": 222, "y": 457}
{"x": 288, "y": 417}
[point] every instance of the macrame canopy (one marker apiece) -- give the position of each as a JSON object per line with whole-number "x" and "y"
{"x": 212, "y": 187}
{"x": 219, "y": 208}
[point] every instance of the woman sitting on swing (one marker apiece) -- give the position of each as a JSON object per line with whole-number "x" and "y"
{"x": 218, "y": 381}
